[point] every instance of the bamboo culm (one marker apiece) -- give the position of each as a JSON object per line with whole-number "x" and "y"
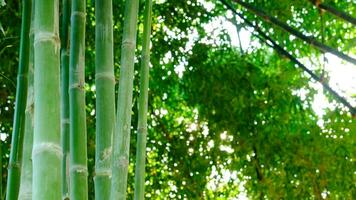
{"x": 121, "y": 138}
{"x": 78, "y": 170}
{"x": 105, "y": 97}
{"x": 65, "y": 96}
{"x": 25, "y": 192}
{"x": 47, "y": 152}
{"x": 14, "y": 168}
{"x": 142, "y": 106}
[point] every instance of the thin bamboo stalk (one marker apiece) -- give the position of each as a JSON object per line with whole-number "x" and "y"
{"x": 121, "y": 138}
{"x": 14, "y": 172}
{"x": 284, "y": 26}
{"x": 26, "y": 168}
{"x": 105, "y": 97}
{"x": 142, "y": 106}
{"x": 65, "y": 96}
{"x": 47, "y": 152}
{"x": 78, "y": 171}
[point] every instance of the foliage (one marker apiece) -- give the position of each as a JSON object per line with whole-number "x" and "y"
{"x": 221, "y": 123}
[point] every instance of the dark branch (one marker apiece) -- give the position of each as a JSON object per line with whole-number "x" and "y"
{"x": 310, "y": 40}
{"x": 280, "y": 49}
{"x": 335, "y": 12}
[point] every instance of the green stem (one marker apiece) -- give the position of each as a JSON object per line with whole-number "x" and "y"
{"x": 142, "y": 106}
{"x": 26, "y": 169}
{"x": 65, "y": 96}
{"x": 47, "y": 152}
{"x": 14, "y": 173}
{"x": 78, "y": 171}
{"x": 121, "y": 138}
{"x": 105, "y": 97}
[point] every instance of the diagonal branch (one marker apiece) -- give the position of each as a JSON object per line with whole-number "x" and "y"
{"x": 334, "y": 11}
{"x": 311, "y": 40}
{"x": 270, "y": 42}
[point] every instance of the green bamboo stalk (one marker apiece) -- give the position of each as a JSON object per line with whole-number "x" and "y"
{"x": 105, "y": 97}
{"x": 26, "y": 168}
{"x": 142, "y": 106}
{"x": 65, "y": 96}
{"x": 14, "y": 172}
{"x": 47, "y": 152}
{"x": 121, "y": 138}
{"x": 78, "y": 171}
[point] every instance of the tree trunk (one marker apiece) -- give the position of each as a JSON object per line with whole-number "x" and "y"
{"x": 142, "y": 105}
{"x": 78, "y": 138}
{"x": 105, "y": 97}
{"x": 14, "y": 172}
{"x": 47, "y": 152}
{"x": 65, "y": 96}
{"x": 121, "y": 139}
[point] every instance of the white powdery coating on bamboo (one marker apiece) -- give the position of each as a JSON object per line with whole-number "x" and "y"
{"x": 101, "y": 169}
{"x": 106, "y": 154}
{"x": 122, "y": 162}
{"x": 47, "y": 147}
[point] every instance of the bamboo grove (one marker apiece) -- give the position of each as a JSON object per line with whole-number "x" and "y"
{"x": 49, "y": 140}
{"x": 230, "y": 124}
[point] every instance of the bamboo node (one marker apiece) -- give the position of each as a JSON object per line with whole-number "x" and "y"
{"x": 65, "y": 52}
{"x": 13, "y": 165}
{"x": 142, "y": 130}
{"x": 105, "y": 75}
{"x": 79, "y": 169}
{"x": 78, "y": 13}
{"x": 47, "y": 147}
{"x": 128, "y": 43}
{"x": 65, "y": 121}
{"x": 100, "y": 172}
{"x": 76, "y": 86}
{"x": 42, "y": 36}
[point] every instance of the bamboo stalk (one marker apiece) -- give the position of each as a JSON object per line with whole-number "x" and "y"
{"x": 65, "y": 96}
{"x": 14, "y": 172}
{"x": 47, "y": 152}
{"x": 105, "y": 97}
{"x": 310, "y": 40}
{"x": 25, "y": 192}
{"x": 78, "y": 170}
{"x": 264, "y": 37}
{"x": 121, "y": 138}
{"x": 142, "y": 106}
